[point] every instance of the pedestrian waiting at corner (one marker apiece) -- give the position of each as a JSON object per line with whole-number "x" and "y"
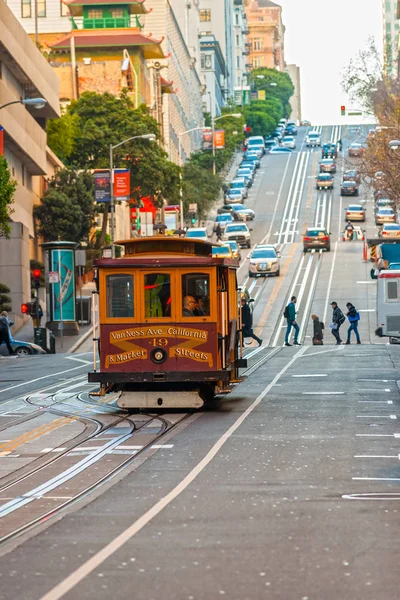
{"x": 290, "y": 316}
{"x": 338, "y": 319}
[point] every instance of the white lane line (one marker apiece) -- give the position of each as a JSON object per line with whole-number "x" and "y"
{"x": 377, "y": 456}
{"x": 268, "y": 235}
{"x": 367, "y": 310}
{"x": 382, "y": 380}
{"x": 395, "y": 435}
{"x": 310, "y": 297}
{"x": 375, "y": 401}
{"x": 393, "y": 417}
{"x": 69, "y": 583}
{"x": 369, "y": 282}
{"x": 289, "y": 200}
{"x": 373, "y": 390}
{"x": 375, "y": 479}
{"x": 312, "y": 375}
{"x": 323, "y": 393}
{"x": 298, "y": 196}
{"x": 281, "y": 324}
{"x": 85, "y": 362}
{"x": 338, "y": 349}
{"x": 13, "y": 387}
{"x": 330, "y": 282}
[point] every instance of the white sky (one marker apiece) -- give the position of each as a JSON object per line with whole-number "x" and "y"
{"x": 321, "y": 37}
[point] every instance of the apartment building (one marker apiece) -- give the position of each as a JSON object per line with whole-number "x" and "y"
{"x": 24, "y": 73}
{"x": 295, "y": 101}
{"x": 391, "y": 24}
{"x": 242, "y": 49}
{"x": 266, "y": 34}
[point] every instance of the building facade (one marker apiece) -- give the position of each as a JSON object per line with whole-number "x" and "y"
{"x": 25, "y": 73}
{"x": 391, "y": 25}
{"x": 266, "y": 34}
{"x": 295, "y": 101}
{"x": 213, "y": 73}
{"x": 242, "y": 49}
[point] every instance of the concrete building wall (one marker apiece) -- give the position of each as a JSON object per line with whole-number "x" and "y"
{"x": 295, "y": 100}
{"x": 24, "y": 73}
{"x": 391, "y": 26}
{"x": 54, "y": 20}
{"x": 266, "y": 34}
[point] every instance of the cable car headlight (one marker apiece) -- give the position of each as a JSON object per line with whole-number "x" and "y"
{"x": 158, "y": 355}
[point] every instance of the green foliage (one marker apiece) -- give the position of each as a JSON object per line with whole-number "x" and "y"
{"x": 201, "y": 187}
{"x": 58, "y": 217}
{"x": 283, "y": 90}
{"x": 5, "y": 299}
{"x": 67, "y": 209}
{"x": 7, "y": 191}
{"x": 62, "y": 134}
{"x": 260, "y": 121}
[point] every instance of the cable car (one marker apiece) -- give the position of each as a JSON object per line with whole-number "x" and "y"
{"x": 168, "y": 331}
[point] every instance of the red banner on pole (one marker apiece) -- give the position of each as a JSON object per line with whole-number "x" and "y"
{"x": 219, "y": 139}
{"x": 122, "y": 184}
{"x": 1, "y": 141}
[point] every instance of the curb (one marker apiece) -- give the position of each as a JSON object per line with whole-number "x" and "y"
{"x": 79, "y": 342}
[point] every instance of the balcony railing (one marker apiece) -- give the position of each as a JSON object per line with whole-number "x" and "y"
{"x": 106, "y": 23}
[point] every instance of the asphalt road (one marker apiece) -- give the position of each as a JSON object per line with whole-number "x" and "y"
{"x": 289, "y": 491}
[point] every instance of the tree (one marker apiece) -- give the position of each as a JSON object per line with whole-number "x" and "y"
{"x": 283, "y": 90}
{"x": 58, "y": 217}
{"x": 62, "y": 134}
{"x": 259, "y": 120}
{"x": 362, "y": 76}
{"x": 201, "y": 187}
{"x": 7, "y": 191}
{"x": 5, "y": 299}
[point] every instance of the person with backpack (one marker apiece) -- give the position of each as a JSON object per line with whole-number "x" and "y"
{"x": 290, "y": 316}
{"x": 5, "y": 331}
{"x": 338, "y": 319}
{"x": 353, "y": 316}
{"x": 319, "y": 327}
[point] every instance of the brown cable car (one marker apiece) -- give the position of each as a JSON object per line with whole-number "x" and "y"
{"x": 169, "y": 331}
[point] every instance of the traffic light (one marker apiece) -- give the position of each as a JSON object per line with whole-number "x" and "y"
{"x": 343, "y": 111}
{"x": 193, "y": 219}
{"x": 36, "y": 273}
{"x": 26, "y": 308}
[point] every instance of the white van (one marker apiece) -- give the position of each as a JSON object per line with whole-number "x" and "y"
{"x": 388, "y": 304}
{"x": 256, "y": 142}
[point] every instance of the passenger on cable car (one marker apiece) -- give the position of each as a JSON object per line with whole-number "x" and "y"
{"x": 189, "y": 305}
{"x": 199, "y": 310}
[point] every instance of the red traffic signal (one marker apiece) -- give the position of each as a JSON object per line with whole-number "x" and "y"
{"x": 26, "y": 308}
{"x": 343, "y": 110}
{"x": 36, "y": 274}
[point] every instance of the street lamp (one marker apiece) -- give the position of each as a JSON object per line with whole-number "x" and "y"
{"x": 213, "y": 119}
{"x": 34, "y": 102}
{"x": 145, "y": 136}
{"x": 180, "y": 174}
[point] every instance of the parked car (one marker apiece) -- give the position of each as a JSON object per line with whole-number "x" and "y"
{"x": 313, "y": 139}
{"x": 255, "y": 142}
{"x": 289, "y": 142}
{"x": 269, "y": 144}
{"x": 252, "y": 157}
{"x": 280, "y": 150}
{"x": 355, "y": 212}
{"x": 264, "y": 261}
{"x": 278, "y": 133}
{"x": 197, "y": 233}
{"x": 316, "y": 237}
{"x": 234, "y": 246}
{"x": 222, "y": 220}
{"x": 383, "y": 203}
{"x": 329, "y": 150}
{"x": 222, "y": 251}
{"x": 238, "y": 232}
{"x": 390, "y": 230}
{"x": 385, "y": 215}
{"x": 247, "y": 176}
{"x": 349, "y": 188}
{"x": 327, "y": 165}
{"x": 351, "y": 175}
{"x": 305, "y": 123}
{"x": 291, "y": 128}
{"x": 239, "y": 183}
{"x": 21, "y": 348}
{"x": 248, "y": 164}
{"x": 356, "y": 150}
{"x": 239, "y": 212}
{"x": 324, "y": 181}
{"x": 234, "y": 196}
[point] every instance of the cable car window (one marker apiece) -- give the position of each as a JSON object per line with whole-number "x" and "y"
{"x": 391, "y": 290}
{"x": 157, "y": 295}
{"x": 195, "y": 295}
{"x": 119, "y": 296}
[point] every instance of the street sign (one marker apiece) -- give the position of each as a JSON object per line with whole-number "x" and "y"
{"x": 53, "y": 277}
{"x": 193, "y": 207}
{"x": 80, "y": 258}
{"x": 354, "y": 114}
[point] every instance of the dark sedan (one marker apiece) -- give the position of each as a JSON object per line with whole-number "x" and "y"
{"x": 349, "y": 188}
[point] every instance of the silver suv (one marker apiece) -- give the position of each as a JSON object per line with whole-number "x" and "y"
{"x": 313, "y": 139}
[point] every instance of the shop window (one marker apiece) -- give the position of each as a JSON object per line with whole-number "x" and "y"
{"x": 119, "y": 290}
{"x": 195, "y": 295}
{"x": 95, "y": 13}
{"x": 205, "y": 14}
{"x": 117, "y": 13}
{"x": 157, "y": 295}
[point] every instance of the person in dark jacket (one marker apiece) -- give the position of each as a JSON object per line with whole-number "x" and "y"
{"x": 291, "y": 322}
{"x": 338, "y": 319}
{"x": 353, "y": 318}
{"x": 318, "y": 336}
{"x": 5, "y": 332}
{"x": 247, "y": 322}
{"x": 218, "y": 232}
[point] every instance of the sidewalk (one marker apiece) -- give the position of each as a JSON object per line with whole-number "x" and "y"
{"x": 68, "y": 344}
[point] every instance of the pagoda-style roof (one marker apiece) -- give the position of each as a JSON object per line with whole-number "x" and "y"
{"x": 166, "y": 86}
{"x": 111, "y": 38}
{"x": 135, "y": 7}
